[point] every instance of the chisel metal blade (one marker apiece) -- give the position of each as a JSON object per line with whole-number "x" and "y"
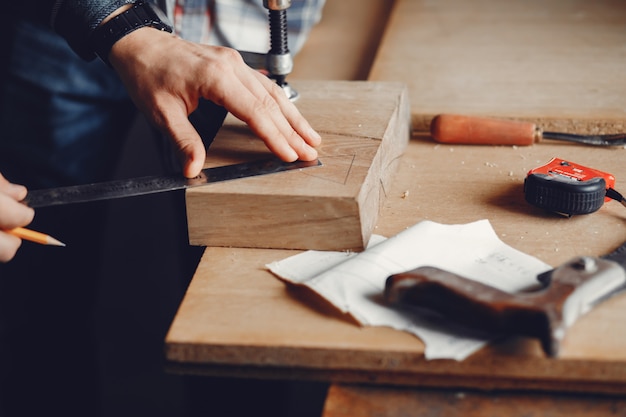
{"x": 157, "y": 184}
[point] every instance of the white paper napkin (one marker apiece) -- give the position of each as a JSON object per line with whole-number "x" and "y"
{"x": 354, "y": 282}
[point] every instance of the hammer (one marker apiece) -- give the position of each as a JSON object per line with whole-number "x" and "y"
{"x": 566, "y": 293}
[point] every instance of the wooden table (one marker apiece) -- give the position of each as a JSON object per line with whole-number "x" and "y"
{"x": 558, "y": 63}
{"x": 239, "y": 320}
{"x": 369, "y": 401}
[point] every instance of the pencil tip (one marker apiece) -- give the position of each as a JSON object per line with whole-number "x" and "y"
{"x": 53, "y": 241}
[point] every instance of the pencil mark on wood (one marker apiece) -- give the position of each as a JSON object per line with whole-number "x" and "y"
{"x": 334, "y": 171}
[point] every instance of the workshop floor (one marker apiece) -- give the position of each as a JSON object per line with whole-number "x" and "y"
{"x": 148, "y": 265}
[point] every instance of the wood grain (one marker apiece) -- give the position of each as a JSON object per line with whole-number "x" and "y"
{"x": 343, "y": 44}
{"x": 238, "y": 319}
{"x": 365, "y": 128}
{"x": 559, "y": 64}
{"x": 365, "y": 401}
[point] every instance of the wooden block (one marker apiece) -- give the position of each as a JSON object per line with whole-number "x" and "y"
{"x": 559, "y": 64}
{"x": 365, "y": 128}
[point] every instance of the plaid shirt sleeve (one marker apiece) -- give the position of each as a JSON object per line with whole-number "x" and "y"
{"x": 240, "y": 24}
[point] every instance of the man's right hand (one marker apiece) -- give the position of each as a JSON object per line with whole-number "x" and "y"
{"x": 166, "y": 76}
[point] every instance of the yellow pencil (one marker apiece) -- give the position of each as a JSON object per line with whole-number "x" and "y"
{"x": 33, "y": 236}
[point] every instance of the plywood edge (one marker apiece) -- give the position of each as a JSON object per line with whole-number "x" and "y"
{"x": 385, "y": 367}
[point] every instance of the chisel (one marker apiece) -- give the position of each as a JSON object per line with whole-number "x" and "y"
{"x": 470, "y": 130}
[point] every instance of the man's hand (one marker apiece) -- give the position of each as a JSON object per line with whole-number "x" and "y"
{"x": 12, "y": 214}
{"x": 166, "y": 76}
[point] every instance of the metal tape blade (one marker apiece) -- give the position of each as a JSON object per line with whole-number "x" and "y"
{"x": 157, "y": 184}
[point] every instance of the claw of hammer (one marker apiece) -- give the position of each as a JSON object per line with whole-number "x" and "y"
{"x": 568, "y": 292}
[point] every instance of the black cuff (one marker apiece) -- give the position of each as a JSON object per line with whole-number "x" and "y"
{"x": 141, "y": 14}
{"x": 75, "y": 21}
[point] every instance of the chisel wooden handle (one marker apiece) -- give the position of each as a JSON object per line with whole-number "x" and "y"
{"x": 469, "y": 130}
{"x": 480, "y": 306}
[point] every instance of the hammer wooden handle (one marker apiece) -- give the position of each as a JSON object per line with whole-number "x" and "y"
{"x": 477, "y": 305}
{"x": 569, "y": 291}
{"x": 468, "y": 130}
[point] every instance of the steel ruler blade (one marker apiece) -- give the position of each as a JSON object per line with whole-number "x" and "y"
{"x": 157, "y": 184}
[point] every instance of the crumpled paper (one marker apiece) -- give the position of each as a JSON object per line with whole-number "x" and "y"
{"x": 355, "y": 282}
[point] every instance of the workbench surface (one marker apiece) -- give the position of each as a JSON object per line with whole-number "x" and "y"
{"x": 238, "y": 319}
{"x": 558, "y": 63}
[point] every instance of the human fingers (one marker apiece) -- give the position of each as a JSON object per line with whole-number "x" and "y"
{"x": 163, "y": 88}
{"x": 218, "y": 74}
{"x": 294, "y": 128}
{"x": 172, "y": 119}
{"x": 289, "y": 116}
{"x": 9, "y": 245}
{"x": 263, "y": 105}
{"x": 12, "y": 214}
{"x": 16, "y": 191}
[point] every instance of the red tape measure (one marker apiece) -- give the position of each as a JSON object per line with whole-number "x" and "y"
{"x": 567, "y": 188}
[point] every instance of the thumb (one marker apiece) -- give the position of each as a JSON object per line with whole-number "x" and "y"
{"x": 189, "y": 145}
{"x": 193, "y": 158}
